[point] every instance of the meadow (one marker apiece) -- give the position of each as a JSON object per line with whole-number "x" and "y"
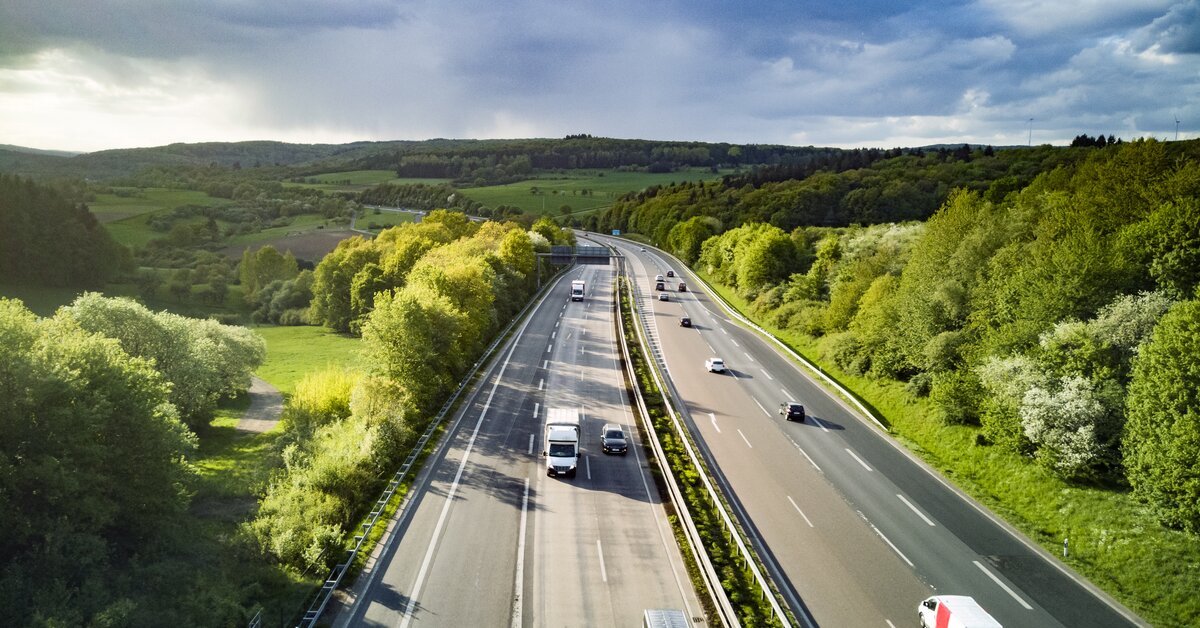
{"x": 356, "y": 180}
{"x": 583, "y": 191}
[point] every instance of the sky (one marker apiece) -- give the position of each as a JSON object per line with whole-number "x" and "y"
{"x": 86, "y": 76}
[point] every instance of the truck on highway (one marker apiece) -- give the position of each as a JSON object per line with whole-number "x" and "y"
{"x": 560, "y": 443}
{"x": 954, "y": 611}
{"x": 577, "y": 287}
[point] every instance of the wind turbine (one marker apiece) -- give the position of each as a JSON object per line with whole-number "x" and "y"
{"x": 1031, "y": 131}
{"x": 1176, "y": 127}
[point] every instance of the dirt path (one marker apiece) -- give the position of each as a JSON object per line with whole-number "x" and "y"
{"x": 266, "y": 403}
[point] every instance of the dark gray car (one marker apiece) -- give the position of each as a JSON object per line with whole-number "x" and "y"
{"x": 612, "y": 439}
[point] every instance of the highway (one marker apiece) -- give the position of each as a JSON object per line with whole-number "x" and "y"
{"x": 856, "y": 528}
{"x": 490, "y": 540}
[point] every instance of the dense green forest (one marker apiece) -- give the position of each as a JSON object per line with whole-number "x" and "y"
{"x": 46, "y": 239}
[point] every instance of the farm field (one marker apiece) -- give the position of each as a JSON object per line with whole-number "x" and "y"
{"x": 111, "y": 207}
{"x": 356, "y": 180}
{"x": 581, "y": 190}
{"x": 377, "y": 220}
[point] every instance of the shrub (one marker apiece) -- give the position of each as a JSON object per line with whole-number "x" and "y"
{"x": 956, "y": 395}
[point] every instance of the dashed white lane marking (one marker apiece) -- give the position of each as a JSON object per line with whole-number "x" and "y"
{"x": 587, "y": 464}
{"x": 788, "y": 394}
{"x": 760, "y": 407}
{"x": 714, "y": 421}
{"x": 735, "y": 343}
{"x": 768, "y": 375}
{"x": 810, "y": 523}
{"x": 531, "y": 444}
{"x": 860, "y": 460}
{"x": 537, "y": 409}
{"x": 541, "y": 382}
{"x": 600, "y": 553}
{"x": 548, "y": 348}
{"x": 745, "y": 439}
{"x": 545, "y": 364}
{"x": 748, "y": 357}
{"x": 1002, "y": 585}
{"x": 914, "y": 509}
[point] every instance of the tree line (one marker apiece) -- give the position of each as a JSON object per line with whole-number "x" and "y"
{"x": 426, "y": 298}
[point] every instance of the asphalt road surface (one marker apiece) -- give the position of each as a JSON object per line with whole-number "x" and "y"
{"x": 490, "y": 540}
{"x": 857, "y": 530}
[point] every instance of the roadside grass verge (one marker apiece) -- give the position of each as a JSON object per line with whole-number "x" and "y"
{"x": 737, "y": 579}
{"x": 1114, "y": 541}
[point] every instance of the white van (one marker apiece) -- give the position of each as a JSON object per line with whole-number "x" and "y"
{"x": 954, "y": 611}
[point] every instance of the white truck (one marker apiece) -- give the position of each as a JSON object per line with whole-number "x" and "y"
{"x": 954, "y": 611}
{"x": 577, "y": 287}
{"x": 560, "y": 444}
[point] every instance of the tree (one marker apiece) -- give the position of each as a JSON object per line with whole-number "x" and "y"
{"x": 1162, "y": 430}
{"x": 92, "y": 468}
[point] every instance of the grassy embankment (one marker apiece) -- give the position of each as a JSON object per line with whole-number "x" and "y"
{"x": 1114, "y": 541}
{"x": 233, "y": 467}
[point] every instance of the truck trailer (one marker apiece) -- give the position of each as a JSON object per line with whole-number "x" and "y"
{"x": 560, "y": 443}
{"x": 577, "y": 287}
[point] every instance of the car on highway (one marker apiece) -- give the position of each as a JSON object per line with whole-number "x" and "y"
{"x": 658, "y": 285}
{"x": 685, "y": 321}
{"x": 664, "y": 296}
{"x": 612, "y": 439}
{"x": 643, "y": 249}
{"x": 682, "y": 287}
{"x": 659, "y": 278}
{"x": 792, "y": 411}
{"x": 670, "y": 273}
{"x": 715, "y": 365}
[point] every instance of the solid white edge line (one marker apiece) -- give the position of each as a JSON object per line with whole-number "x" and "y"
{"x": 760, "y": 407}
{"x": 810, "y": 460}
{"x": 745, "y": 439}
{"x": 914, "y": 509}
{"x": 1002, "y": 585}
{"x": 519, "y": 583}
{"x": 600, "y": 553}
{"x": 810, "y": 523}
{"x": 860, "y": 460}
{"x": 434, "y": 539}
{"x": 890, "y": 544}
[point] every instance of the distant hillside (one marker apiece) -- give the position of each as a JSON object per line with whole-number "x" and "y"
{"x": 37, "y": 151}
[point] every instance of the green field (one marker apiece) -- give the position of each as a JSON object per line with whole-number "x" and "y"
{"x": 377, "y": 221}
{"x": 108, "y": 207}
{"x": 293, "y": 352}
{"x": 40, "y": 300}
{"x": 581, "y": 190}
{"x": 356, "y": 180}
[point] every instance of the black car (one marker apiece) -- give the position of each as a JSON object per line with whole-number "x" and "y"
{"x": 792, "y": 411}
{"x": 685, "y": 321}
{"x": 612, "y": 439}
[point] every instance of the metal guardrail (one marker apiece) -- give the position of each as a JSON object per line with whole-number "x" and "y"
{"x": 331, "y": 583}
{"x": 734, "y": 531}
{"x": 711, "y": 579}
